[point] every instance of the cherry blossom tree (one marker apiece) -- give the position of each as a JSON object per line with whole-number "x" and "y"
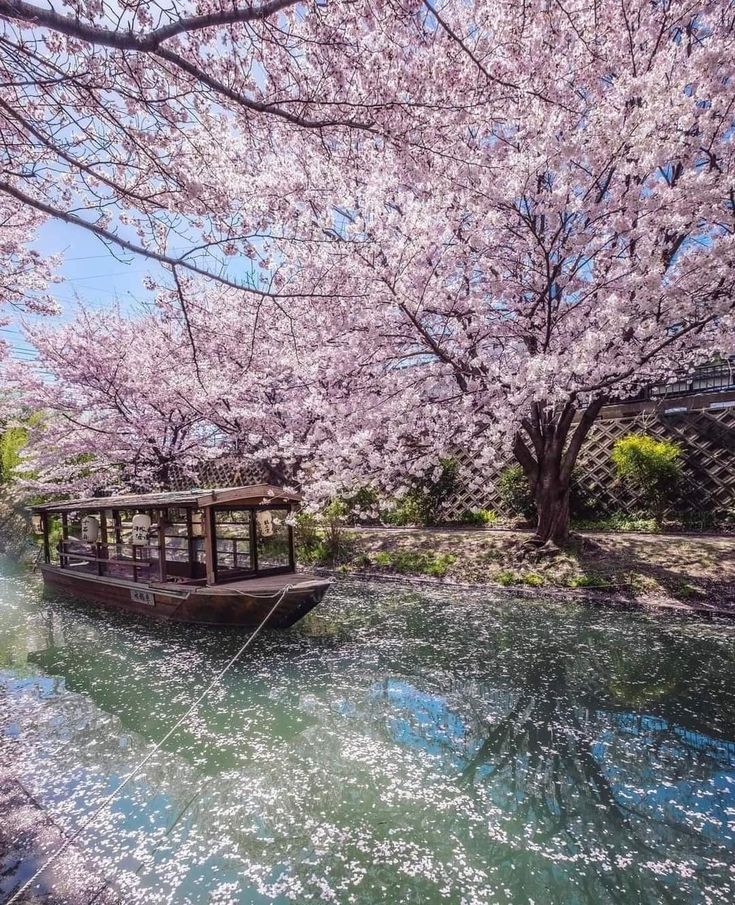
{"x": 26, "y": 279}
{"x": 25, "y": 274}
{"x": 537, "y": 263}
{"x": 248, "y": 373}
{"x": 148, "y": 124}
{"x": 469, "y": 224}
{"x": 112, "y": 410}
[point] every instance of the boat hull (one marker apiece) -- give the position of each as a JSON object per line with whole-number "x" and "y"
{"x": 220, "y": 605}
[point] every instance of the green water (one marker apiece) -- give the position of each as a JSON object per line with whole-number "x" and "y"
{"x": 396, "y": 746}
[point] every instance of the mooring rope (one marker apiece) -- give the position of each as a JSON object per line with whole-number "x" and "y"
{"x": 71, "y": 839}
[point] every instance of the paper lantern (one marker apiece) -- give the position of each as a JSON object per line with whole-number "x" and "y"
{"x": 265, "y": 523}
{"x": 141, "y": 529}
{"x": 90, "y": 529}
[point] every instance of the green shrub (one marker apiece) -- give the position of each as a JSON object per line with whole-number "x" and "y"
{"x": 478, "y": 517}
{"x": 405, "y": 512}
{"x": 515, "y": 492}
{"x": 649, "y": 468}
{"x": 313, "y": 555}
{"x": 321, "y": 539}
{"x": 363, "y": 503}
{"x": 425, "y": 499}
{"x": 582, "y": 502}
{"x": 310, "y": 548}
{"x": 333, "y": 517}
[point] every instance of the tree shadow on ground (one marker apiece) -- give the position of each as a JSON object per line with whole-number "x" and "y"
{"x": 693, "y": 571}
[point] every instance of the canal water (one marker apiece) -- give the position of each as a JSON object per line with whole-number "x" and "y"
{"x": 397, "y": 746}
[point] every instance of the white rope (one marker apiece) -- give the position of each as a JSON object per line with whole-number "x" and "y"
{"x": 62, "y": 848}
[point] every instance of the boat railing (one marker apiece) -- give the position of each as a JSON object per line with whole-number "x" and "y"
{"x": 97, "y": 555}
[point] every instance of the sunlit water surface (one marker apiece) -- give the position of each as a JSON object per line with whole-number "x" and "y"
{"x": 396, "y": 746}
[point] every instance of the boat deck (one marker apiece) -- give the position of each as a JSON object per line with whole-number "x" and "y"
{"x": 267, "y": 584}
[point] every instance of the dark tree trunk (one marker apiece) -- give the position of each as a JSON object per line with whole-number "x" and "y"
{"x": 547, "y": 447}
{"x": 552, "y": 506}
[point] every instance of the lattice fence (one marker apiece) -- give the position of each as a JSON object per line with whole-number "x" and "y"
{"x": 707, "y": 440}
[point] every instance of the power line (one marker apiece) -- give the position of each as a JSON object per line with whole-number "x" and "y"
{"x": 94, "y": 276}
{"x": 115, "y": 257}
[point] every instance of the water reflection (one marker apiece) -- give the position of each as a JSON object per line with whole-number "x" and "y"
{"x": 394, "y": 747}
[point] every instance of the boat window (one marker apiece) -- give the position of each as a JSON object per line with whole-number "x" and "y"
{"x": 55, "y": 533}
{"x": 232, "y": 533}
{"x": 197, "y": 533}
{"x": 176, "y": 538}
{"x": 273, "y": 538}
{"x": 123, "y": 529}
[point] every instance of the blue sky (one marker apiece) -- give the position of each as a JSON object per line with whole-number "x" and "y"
{"x": 89, "y": 272}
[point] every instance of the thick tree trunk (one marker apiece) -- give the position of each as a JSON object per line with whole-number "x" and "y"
{"x": 552, "y": 506}
{"x": 547, "y": 448}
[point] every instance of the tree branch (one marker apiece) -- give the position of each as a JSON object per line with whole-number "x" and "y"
{"x": 526, "y": 460}
{"x": 129, "y": 40}
{"x": 108, "y": 236}
{"x": 578, "y": 437}
{"x": 250, "y": 104}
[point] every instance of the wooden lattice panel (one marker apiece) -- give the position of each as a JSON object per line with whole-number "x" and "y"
{"x": 476, "y": 488}
{"x": 225, "y": 472}
{"x": 706, "y": 437}
{"x": 707, "y": 440}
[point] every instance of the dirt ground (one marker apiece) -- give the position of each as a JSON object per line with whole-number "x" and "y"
{"x": 682, "y": 571}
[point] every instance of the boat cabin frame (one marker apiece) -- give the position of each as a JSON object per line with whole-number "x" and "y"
{"x": 196, "y": 537}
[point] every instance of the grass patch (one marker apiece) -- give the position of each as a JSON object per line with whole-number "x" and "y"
{"x": 479, "y": 518}
{"x": 618, "y": 521}
{"x": 361, "y": 561}
{"x": 508, "y": 578}
{"x": 414, "y": 562}
{"x": 590, "y": 581}
{"x": 533, "y": 579}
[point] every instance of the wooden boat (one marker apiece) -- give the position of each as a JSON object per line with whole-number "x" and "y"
{"x": 210, "y": 557}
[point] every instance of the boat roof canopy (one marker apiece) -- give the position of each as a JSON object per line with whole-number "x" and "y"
{"x": 198, "y": 498}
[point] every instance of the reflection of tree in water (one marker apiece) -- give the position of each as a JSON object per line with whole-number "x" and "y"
{"x": 606, "y": 765}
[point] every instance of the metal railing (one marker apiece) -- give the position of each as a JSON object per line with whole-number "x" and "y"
{"x": 712, "y": 378}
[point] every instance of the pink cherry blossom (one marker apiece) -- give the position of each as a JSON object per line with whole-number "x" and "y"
{"x": 424, "y": 228}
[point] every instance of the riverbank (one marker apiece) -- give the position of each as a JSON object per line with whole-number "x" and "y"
{"x": 692, "y": 573}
